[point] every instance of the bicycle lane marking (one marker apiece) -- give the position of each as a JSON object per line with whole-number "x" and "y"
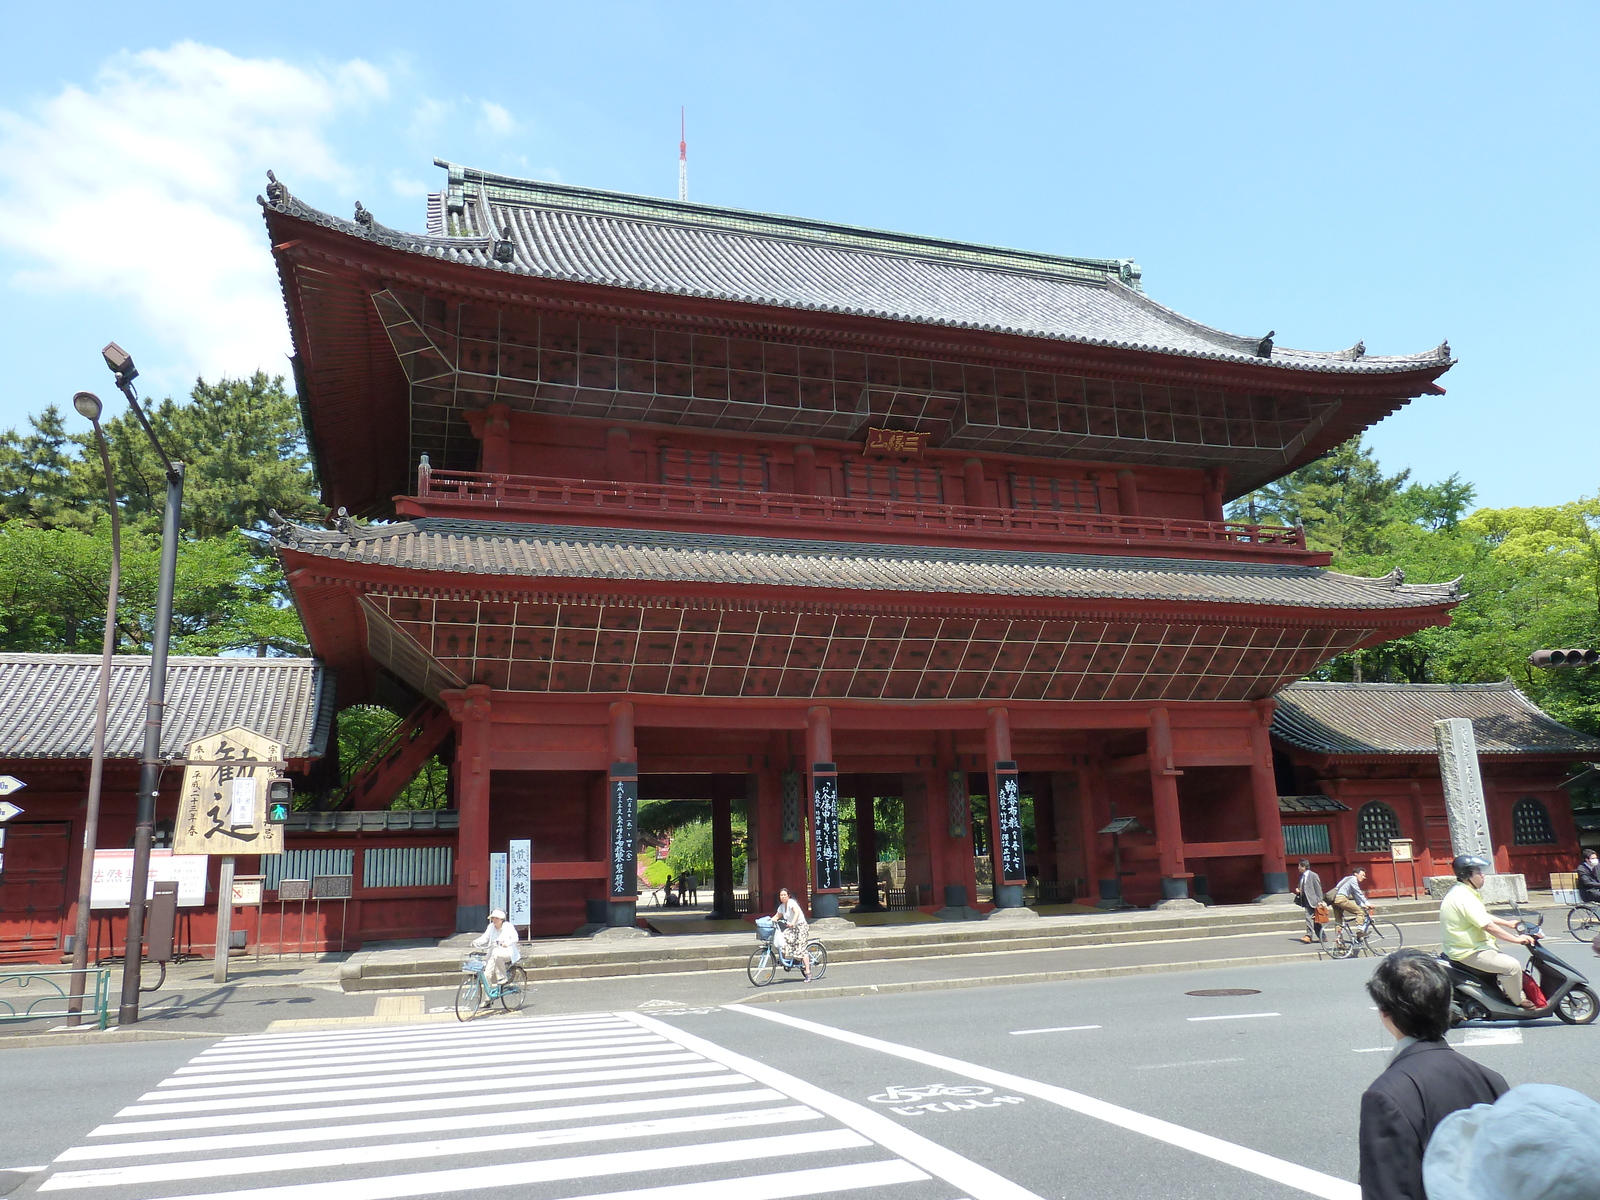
{"x": 976, "y": 1181}
{"x": 1267, "y": 1166}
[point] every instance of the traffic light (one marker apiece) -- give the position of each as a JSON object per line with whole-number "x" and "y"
{"x": 280, "y": 801}
{"x": 1564, "y": 658}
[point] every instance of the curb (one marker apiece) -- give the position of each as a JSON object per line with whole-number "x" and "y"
{"x": 95, "y": 1037}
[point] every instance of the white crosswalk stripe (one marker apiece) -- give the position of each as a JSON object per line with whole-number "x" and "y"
{"x": 599, "y": 1106}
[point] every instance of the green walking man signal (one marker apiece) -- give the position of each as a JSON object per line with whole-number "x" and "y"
{"x": 280, "y": 801}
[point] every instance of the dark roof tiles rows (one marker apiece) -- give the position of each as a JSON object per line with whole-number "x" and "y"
{"x": 556, "y": 552}
{"x": 1363, "y": 719}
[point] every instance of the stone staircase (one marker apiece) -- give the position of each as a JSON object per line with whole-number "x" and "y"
{"x": 576, "y": 958}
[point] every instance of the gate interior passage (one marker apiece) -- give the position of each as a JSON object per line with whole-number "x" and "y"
{"x": 33, "y": 889}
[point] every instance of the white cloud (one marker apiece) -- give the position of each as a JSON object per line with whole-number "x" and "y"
{"x": 140, "y": 188}
{"x": 496, "y": 119}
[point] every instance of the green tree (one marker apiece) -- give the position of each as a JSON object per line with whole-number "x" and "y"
{"x": 363, "y": 729}
{"x": 1343, "y": 499}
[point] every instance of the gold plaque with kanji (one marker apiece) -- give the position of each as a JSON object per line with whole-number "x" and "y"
{"x": 223, "y": 806}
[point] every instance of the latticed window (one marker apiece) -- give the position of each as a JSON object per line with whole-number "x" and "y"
{"x": 1302, "y": 841}
{"x": 1062, "y": 495}
{"x": 892, "y": 481}
{"x": 1376, "y": 826}
{"x": 1530, "y": 823}
{"x": 714, "y": 469}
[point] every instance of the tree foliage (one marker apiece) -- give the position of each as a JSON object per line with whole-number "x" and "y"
{"x": 362, "y": 730}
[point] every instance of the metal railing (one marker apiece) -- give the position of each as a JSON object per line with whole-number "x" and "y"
{"x": 556, "y": 496}
{"x": 36, "y": 995}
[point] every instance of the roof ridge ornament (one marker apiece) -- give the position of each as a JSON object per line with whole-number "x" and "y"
{"x": 1264, "y": 346}
{"x": 1355, "y": 353}
{"x": 505, "y": 249}
{"x": 364, "y": 215}
{"x": 276, "y": 192}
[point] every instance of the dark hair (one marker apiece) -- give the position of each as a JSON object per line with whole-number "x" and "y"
{"x": 1305, "y": 864}
{"x": 1411, "y": 988}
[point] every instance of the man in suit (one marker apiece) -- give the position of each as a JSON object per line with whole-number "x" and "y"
{"x": 1425, "y": 1081}
{"x": 1589, "y": 878}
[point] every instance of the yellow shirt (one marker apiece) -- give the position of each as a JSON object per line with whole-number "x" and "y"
{"x": 1462, "y": 917}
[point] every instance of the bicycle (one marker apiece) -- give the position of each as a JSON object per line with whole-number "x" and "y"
{"x": 767, "y": 958}
{"x": 473, "y": 994}
{"x": 1342, "y": 940}
{"x": 1583, "y": 922}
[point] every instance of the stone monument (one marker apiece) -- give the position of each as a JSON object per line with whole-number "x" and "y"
{"x": 1468, "y": 814}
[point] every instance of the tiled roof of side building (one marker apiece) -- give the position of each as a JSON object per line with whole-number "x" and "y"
{"x": 47, "y": 703}
{"x": 628, "y": 555}
{"x": 1362, "y": 719}
{"x": 561, "y": 232}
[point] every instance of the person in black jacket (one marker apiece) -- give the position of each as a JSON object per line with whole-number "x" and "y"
{"x": 1589, "y": 878}
{"x": 1425, "y": 1081}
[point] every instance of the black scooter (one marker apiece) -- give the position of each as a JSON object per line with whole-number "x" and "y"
{"x": 1476, "y": 995}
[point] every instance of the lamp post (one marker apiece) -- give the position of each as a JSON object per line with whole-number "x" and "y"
{"x": 122, "y": 368}
{"x": 88, "y": 405}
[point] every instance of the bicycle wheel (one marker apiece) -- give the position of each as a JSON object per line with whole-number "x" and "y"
{"x": 762, "y": 966}
{"x": 818, "y": 954}
{"x": 468, "y": 997}
{"x": 1384, "y": 937}
{"x": 1583, "y": 922}
{"x": 1339, "y": 943}
{"x": 514, "y": 993}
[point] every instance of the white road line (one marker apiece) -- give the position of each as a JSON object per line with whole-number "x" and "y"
{"x": 705, "y": 1075}
{"x": 818, "y": 1181}
{"x": 463, "y": 1147}
{"x": 392, "y": 1034}
{"x": 522, "y": 1174}
{"x": 340, "y": 1133}
{"x": 1053, "y": 1029}
{"x": 391, "y": 1030}
{"x": 1265, "y": 1165}
{"x": 644, "y": 1048}
{"x": 256, "y": 1064}
{"x": 225, "y": 1052}
{"x": 1236, "y": 1017}
{"x": 1199, "y": 1062}
{"x": 530, "y": 1075}
{"x": 1491, "y": 1037}
{"x": 23, "y": 1170}
{"x": 978, "y": 1181}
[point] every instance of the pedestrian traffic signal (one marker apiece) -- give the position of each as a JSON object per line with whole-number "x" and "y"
{"x": 280, "y": 801}
{"x": 1564, "y": 658}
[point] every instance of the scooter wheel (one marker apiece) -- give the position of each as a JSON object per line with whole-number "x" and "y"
{"x": 1578, "y": 1007}
{"x": 1471, "y": 1010}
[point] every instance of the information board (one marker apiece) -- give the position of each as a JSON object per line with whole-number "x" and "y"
{"x": 222, "y": 808}
{"x": 246, "y": 891}
{"x": 332, "y": 887}
{"x": 497, "y": 882}
{"x": 519, "y": 883}
{"x": 825, "y": 810}
{"x": 294, "y": 889}
{"x": 624, "y": 830}
{"x": 1008, "y": 817}
{"x": 112, "y": 884}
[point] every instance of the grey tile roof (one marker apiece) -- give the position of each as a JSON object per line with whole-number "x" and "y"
{"x": 550, "y": 552}
{"x": 1397, "y": 718}
{"x": 677, "y": 248}
{"x": 1304, "y": 805}
{"x": 47, "y": 703}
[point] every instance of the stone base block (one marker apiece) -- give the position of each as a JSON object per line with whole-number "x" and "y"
{"x": 1285, "y": 899}
{"x": 1177, "y": 904}
{"x": 1014, "y": 914}
{"x": 831, "y": 925}
{"x": 1497, "y": 889}
{"x": 958, "y": 913}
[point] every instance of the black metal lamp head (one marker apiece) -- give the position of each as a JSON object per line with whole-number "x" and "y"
{"x": 121, "y": 364}
{"x": 88, "y": 406}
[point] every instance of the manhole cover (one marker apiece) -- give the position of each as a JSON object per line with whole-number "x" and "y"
{"x": 1225, "y": 992}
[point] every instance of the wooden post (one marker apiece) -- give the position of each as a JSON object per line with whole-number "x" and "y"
{"x": 219, "y": 962}
{"x": 1264, "y": 789}
{"x": 1127, "y": 493}
{"x": 867, "y": 854}
{"x": 1169, "y": 822}
{"x": 471, "y": 708}
{"x": 823, "y": 776}
{"x": 722, "y": 789}
{"x": 622, "y": 796}
{"x": 1005, "y": 828}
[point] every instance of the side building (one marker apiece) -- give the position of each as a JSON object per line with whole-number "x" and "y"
{"x": 672, "y": 500}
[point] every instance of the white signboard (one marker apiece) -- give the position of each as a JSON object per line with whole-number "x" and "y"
{"x": 113, "y": 877}
{"x": 497, "y": 882}
{"x": 519, "y": 883}
{"x": 9, "y": 810}
{"x": 9, "y": 784}
{"x": 247, "y": 892}
{"x": 241, "y": 803}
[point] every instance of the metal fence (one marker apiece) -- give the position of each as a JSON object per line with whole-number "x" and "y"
{"x": 304, "y": 864}
{"x": 35, "y": 995}
{"x": 408, "y": 866}
{"x": 1306, "y": 839}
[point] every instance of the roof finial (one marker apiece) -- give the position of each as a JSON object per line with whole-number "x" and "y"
{"x": 276, "y": 192}
{"x": 1264, "y": 346}
{"x": 363, "y": 215}
{"x": 504, "y": 248}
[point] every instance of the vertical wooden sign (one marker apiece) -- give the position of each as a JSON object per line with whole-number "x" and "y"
{"x": 1010, "y": 865}
{"x": 222, "y": 808}
{"x": 519, "y": 883}
{"x": 624, "y": 784}
{"x": 825, "y": 824}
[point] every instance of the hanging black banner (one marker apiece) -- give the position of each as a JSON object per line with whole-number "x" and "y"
{"x": 1008, "y": 825}
{"x": 825, "y": 827}
{"x": 624, "y": 784}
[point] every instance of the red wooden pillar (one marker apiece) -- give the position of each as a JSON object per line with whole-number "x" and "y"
{"x": 471, "y": 708}
{"x": 496, "y": 456}
{"x": 1169, "y": 822}
{"x": 1005, "y": 840}
{"x": 622, "y": 812}
{"x": 1264, "y": 790}
{"x": 805, "y": 470}
{"x": 723, "y": 788}
{"x": 822, "y": 774}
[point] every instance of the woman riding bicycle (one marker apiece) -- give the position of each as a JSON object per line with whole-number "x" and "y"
{"x": 791, "y": 921}
{"x": 501, "y": 941}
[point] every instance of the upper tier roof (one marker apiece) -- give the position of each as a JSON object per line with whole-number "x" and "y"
{"x": 47, "y": 704}
{"x": 1362, "y": 719}
{"x": 560, "y": 232}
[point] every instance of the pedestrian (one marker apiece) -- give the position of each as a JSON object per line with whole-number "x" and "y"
{"x": 1589, "y": 877}
{"x": 1308, "y": 894}
{"x": 1347, "y": 899}
{"x": 1424, "y": 1082}
{"x": 1537, "y": 1142}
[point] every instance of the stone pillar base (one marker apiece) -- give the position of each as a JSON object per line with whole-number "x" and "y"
{"x": 1181, "y": 902}
{"x": 1273, "y": 882}
{"x": 472, "y": 918}
{"x": 1008, "y": 895}
{"x": 621, "y": 914}
{"x": 832, "y": 925}
{"x": 1275, "y": 898}
{"x": 1014, "y": 914}
{"x": 1174, "y": 888}
{"x": 824, "y": 905}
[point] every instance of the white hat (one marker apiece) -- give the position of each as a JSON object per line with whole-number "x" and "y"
{"x": 1537, "y": 1142}
{"x": 499, "y": 912}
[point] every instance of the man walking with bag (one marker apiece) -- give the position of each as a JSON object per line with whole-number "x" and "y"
{"x": 1308, "y": 894}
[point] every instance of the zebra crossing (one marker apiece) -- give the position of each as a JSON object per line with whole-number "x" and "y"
{"x": 605, "y": 1106}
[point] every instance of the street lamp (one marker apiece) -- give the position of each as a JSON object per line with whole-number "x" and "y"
{"x": 88, "y": 406}
{"x": 122, "y": 369}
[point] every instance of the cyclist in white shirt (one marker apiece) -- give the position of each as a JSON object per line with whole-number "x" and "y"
{"x": 501, "y": 939}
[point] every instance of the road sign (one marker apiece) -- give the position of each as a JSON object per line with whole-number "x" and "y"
{"x": 9, "y": 810}
{"x": 9, "y": 784}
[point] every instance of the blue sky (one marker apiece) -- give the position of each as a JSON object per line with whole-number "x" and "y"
{"x": 1395, "y": 173}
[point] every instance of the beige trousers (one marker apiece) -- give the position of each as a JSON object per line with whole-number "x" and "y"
{"x": 1503, "y": 965}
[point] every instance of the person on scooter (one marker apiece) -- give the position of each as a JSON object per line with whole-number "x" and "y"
{"x": 1469, "y": 929}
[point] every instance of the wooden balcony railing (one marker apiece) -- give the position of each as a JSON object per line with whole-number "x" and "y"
{"x": 671, "y": 505}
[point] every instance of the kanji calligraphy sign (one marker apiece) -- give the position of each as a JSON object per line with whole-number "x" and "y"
{"x": 223, "y": 806}
{"x": 897, "y": 441}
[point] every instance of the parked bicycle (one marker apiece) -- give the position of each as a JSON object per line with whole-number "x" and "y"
{"x": 1342, "y": 939}
{"x": 766, "y": 960}
{"x": 475, "y": 994}
{"x": 1583, "y": 922}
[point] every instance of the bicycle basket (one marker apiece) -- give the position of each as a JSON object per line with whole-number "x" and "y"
{"x": 764, "y": 929}
{"x": 473, "y": 966}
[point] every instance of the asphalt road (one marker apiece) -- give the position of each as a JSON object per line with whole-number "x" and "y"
{"x": 1083, "y": 1089}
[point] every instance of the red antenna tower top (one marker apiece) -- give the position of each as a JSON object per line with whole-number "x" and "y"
{"x": 683, "y": 155}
